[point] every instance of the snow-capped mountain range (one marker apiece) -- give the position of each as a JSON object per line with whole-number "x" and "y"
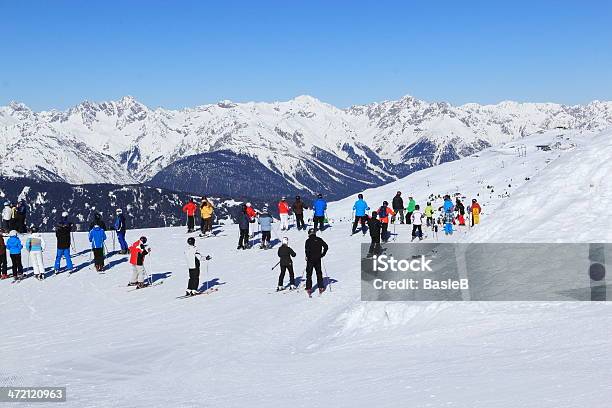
{"x": 254, "y": 149}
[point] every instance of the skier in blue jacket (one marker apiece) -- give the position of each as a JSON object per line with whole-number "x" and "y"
{"x": 14, "y": 246}
{"x": 360, "y": 209}
{"x": 319, "y": 207}
{"x": 97, "y": 236}
{"x": 265, "y": 221}
{"x": 120, "y": 227}
{"x": 448, "y": 215}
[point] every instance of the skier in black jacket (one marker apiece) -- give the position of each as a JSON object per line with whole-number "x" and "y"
{"x": 374, "y": 226}
{"x": 316, "y": 249}
{"x": 285, "y": 253}
{"x": 398, "y": 206}
{"x": 243, "y": 225}
{"x": 63, "y": 231}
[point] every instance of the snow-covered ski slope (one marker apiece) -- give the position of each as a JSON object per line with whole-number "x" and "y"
{"x": 559, "y": 195}
{"x": 247, "y": 346}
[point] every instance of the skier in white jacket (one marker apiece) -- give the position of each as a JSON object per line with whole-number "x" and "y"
{"x": 7, "y": 215}
{"x": 193, "y": 258}
{"x": 417, "y": 222}
{"x": 35, "y": 245}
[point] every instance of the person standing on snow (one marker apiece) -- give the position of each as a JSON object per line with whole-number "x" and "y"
{"x": 429, "y": 211}
{"x": 35, "y": 245}
{"x": 138, "y": 251}
{"x": 360, "y": 209}
{"x": 460, "y": 212}
{"x": 13, "y": 245}
{"x": 285, "y": 253}
{"x": 3, "y": 260}
{"x": 193, "y": 263}
{"x": 448, "y": 215}
{"x": 476, "y": 210}
{"x": 20, "y": 216}
{"x": 206, "y": 214}
{"x": 383, "y": 215}
{"x": 243, "y": 225}
{"x": 374, "y": 226}
{"x": 298, "y": 208}
{"x": 7, "y": 215}
{"x": 13, "y": 224}
{"x": 417, "y": 222}
{"x": 190, "y": 209}
{"x": 97, "y": 236}
{"x": 410, "y": 209}
{"x": 252, "y": 214}
{"x": 315, "y": 249}
{"x": 265, "y": 221}
{"x": 319, "y": 208}
{"x": 120, "y": 228}
{"x": 63, "y": 231}
{"x": 398, "y": 207}
{"x": 283, "y": 210}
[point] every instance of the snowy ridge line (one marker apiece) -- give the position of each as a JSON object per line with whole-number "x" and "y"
{"x": 124, "y": 141}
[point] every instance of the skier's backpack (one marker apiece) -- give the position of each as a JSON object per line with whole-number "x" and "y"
{"x": 382, "y": 212}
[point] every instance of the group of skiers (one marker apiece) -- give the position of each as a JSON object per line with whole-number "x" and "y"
{"x": 206, "y": 210}
{"x": 14, "y": 216}
{"x": 250, "y": 219}
{"x": 35, "y": 245}
{"x": 378, "y": 221}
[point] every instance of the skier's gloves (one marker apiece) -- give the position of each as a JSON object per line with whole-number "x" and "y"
{"x": 208, "y": 257}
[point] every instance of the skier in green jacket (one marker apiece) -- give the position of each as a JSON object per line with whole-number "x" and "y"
{"x": 410, "y": 208}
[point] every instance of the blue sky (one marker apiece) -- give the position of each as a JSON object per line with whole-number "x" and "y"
{"x": 54, "y": 54}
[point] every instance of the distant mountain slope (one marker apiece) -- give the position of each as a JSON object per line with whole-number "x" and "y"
{"x": 311, "y": 145}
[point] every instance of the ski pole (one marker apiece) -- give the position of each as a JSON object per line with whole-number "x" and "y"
{"x": 276, "y": 265}
{"x": 114, "y": 236}
{"x": 205, "y": 279}
{"x": 72, "y": 245}
{"x": 90, "y": 258}
{"x": 326, "y": 275}
{"x": 302, "y": 277}
{"x": 148, "y": 277}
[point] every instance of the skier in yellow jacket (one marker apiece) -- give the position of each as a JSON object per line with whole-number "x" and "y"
{"x": 206, "y": 213}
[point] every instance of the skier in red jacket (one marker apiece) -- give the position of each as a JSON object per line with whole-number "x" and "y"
{"x": 138, "y": 251}
{"x": 252, "y": 214}
{"x": 283, "y": 210}
{"x": 190, "y": 209}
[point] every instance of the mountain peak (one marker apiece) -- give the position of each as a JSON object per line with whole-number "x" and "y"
{"x": 306, "y": 99}
{"x": 19, "y": 106}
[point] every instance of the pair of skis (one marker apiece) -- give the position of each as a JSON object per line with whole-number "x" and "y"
{"x": 204, "y": 292}
{"x": 146, "y": 286}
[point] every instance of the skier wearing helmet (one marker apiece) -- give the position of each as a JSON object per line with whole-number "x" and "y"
{"x": 298, "y": 208}
{"x": 138, "y": 251}
{"x": 383, "y": 216}
{"x": 285, "y": 253}
{"x": 63, "y": 231}
{"x": 252, "y": 214}
{"x": 120, "y": 228}
{"x": 283, "y": 211}
{"x": 193, "y": 263}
